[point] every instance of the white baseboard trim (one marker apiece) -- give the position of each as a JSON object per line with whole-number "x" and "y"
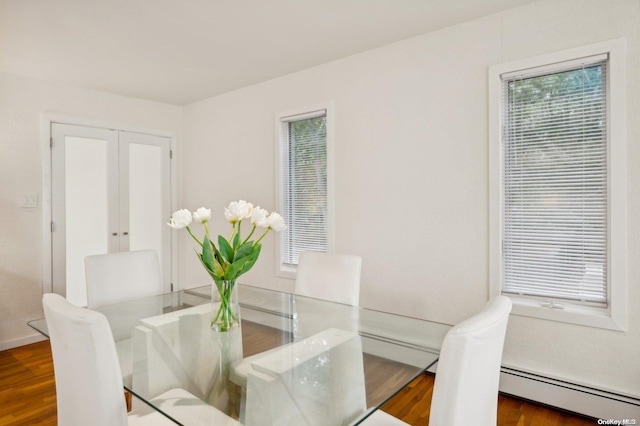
{"x": 592, "y": 402}
{"x": 10, "y": 344}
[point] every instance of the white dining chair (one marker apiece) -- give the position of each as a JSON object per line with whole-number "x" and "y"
{"x": 468, "y": 373}
{"x": 117, "y": 277}
{"x": 295, "y": 385}
{"x": 332, "y": 277}
{"x": 89, "y": 388}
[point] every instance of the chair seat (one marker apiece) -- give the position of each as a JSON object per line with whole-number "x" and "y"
{"x": 182, "y": 406}
{"x": 238, "y": 374}
{"x": 240, "y": 369}
{"x": 380, "y": 418}
{"x": 293, "y": 386}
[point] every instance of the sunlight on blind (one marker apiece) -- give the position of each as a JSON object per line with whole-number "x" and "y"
{"x": 555, "y": 184}
{"x": 304, "y": 206}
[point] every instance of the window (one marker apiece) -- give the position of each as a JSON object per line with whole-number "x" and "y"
{"x": 561, "y": 255}
{"x": 554, "y": 228}
{"x": 303, "y": 141}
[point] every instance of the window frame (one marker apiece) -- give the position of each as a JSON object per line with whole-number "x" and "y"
{"x": 614, "y": 315}
{"x": 284, "y": 270}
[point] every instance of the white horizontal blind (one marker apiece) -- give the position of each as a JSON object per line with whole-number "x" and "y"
{"x": 555, "y": 183}
{"x": 304, "y": 145}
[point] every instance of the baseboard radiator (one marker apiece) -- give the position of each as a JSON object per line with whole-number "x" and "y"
{"x": 580, "y": 399}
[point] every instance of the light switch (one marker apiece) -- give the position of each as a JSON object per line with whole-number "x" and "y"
{"x": 29, "y": 202}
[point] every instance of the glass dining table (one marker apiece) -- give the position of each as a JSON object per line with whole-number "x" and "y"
{"x": 312, "y": 362}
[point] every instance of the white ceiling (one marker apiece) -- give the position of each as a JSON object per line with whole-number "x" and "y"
{"x": 182, "y": 51}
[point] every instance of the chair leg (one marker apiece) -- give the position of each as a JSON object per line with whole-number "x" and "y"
{"x": 127, "y": 400}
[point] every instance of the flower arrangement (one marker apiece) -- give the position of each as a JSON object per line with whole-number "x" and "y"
{"x": 231, "y": 257}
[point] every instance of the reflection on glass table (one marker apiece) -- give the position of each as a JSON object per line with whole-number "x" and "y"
{"x": 325, "y": 363}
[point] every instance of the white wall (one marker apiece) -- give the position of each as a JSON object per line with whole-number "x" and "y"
{"x": 411, "y": 173}
{"x": 22, "y": 103}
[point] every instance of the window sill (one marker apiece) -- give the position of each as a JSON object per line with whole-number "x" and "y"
{"x": 572, "y": 314}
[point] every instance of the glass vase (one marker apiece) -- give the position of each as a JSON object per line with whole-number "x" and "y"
{"x": 226, "y": 309}
{"x": 226, "y": 349}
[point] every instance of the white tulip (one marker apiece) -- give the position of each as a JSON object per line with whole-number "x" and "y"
{"x": 180, "y": 219}
{"x": 259, "y": 217}
{"x": 202, "y": 215}
{"x": 238, "y": 210}
{"x": 276, "y": 222}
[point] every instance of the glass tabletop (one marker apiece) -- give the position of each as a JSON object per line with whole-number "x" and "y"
{"x": 312, "y": 361}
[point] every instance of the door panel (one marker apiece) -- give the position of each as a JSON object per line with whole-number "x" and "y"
{"x": 110, "y": 193}
{"x": 85, "y": 205}
{"x": 146, "y": 196}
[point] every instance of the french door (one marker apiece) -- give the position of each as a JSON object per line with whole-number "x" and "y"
{"x": 110, "y": 192}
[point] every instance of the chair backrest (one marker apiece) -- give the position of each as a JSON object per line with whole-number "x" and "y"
{"x": 466, "y": 386}
{"x": 334, "y": 277}
{"x": 88, "y": 381}
{"x": 277, "y": 396}
{"x": 117, "y": 277}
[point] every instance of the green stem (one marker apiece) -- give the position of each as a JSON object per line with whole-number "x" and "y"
{"x": 250, "y": 234}
{"x": 194, "y": 237}
{"x": 263, "y": 235}
{"x": 225, "y": 318}
{"x": 233, "y": 229}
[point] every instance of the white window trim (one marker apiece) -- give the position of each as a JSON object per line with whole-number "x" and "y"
{"x": 614, "y": 317}
{"x": 288, "y": 271}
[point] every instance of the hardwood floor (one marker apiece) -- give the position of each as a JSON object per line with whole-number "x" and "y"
{"x": 27, "y": 386}
{"x": 28, "y": 397}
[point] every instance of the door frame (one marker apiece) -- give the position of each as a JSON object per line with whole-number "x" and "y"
{"x": 47, "y": 120}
